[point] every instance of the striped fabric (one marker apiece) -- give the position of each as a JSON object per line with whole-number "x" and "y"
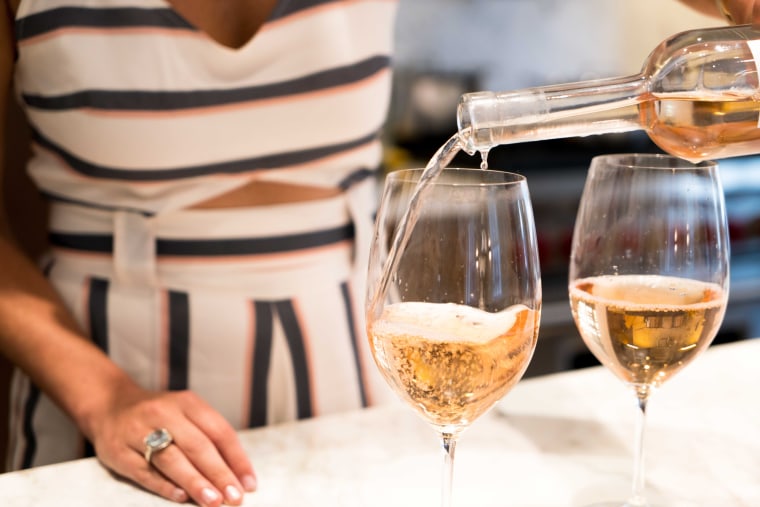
{"x": 131, "y": 105}
{"x": 136, "y": 116}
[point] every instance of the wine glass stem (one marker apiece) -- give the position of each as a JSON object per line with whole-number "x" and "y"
{"x": 637, "y": 494}
{"x": 449, "y": 444}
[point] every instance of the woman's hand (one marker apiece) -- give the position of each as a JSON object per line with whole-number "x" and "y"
{"x": 738, "y": 12}
{"x": 205, "y": 462}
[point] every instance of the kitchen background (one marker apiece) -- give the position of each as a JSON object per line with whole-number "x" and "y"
{"x": 447, "y": 47}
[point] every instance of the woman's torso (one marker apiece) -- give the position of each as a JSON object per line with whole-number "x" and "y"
{"x": 157, "y": 106}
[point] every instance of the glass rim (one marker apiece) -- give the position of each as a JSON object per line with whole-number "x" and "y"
{"x": 490, "y": 176}
{"x": 652, "y": 161}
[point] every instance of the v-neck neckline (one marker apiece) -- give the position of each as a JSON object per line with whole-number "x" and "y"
{"x": 275, "y": 12}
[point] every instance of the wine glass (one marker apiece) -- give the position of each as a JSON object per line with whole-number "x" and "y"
{"x": 649, "y": 272}
{"x": 453, "y": 319}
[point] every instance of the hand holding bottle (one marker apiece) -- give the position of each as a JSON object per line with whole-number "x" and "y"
{"x": 736, "y": 12}
{"x": 697, "y": 97}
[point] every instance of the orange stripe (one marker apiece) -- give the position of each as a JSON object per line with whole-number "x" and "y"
{"x": 81, "y": 254}
{"x": 229, "y": 259}
{"x": 361, "y": 347}
{"x": 215, "y": 260}
{"x": 92, "y": 31}
{"x": 85, "y": 305}
{"x": 245, "y": 416}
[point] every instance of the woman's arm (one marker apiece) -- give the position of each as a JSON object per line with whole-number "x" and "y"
{"x": 38, "y": 335}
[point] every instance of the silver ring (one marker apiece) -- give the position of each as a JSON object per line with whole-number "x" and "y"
{"x": 157, "y": 441}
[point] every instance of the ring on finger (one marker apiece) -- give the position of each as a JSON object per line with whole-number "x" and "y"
{"x": 155, "y": 442}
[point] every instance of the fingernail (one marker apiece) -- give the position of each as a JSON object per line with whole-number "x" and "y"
{"x": 179, "y": 496}
{"x": 232, "y": 493}
{"x": 249, "y": 482}
{"x": 209, "y": 495}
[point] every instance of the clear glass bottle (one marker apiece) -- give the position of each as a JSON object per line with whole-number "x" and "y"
{"x": 697, "y": 96}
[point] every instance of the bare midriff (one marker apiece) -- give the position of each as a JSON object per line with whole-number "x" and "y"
{"x": 262, "y": 193}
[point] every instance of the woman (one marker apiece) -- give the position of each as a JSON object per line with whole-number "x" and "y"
{"x": 209, "y": 167}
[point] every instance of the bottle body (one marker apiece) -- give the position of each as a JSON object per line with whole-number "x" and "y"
{"x": 697, "y": 97}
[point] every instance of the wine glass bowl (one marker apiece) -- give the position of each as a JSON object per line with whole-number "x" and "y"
{"x": 453, "y": 317}
{"x": 649, "y": 271}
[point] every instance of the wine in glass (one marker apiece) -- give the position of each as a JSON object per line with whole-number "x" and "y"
{"x": 649, "y": 272}
{"x": 453, "y": 318}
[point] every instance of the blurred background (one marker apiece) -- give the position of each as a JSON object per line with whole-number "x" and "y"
{"x": 448, "y": 47}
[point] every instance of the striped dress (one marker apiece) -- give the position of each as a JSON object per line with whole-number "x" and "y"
{"x": 136, "y": 115}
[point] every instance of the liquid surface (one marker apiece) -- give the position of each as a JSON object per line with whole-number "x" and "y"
{"x": 645, "y": 328}
{"x": 452, "y": 362}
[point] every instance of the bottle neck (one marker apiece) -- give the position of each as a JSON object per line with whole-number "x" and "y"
{"x": 488, "y": 119}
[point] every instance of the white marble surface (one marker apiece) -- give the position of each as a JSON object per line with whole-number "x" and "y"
{"x": 555, "y": 441}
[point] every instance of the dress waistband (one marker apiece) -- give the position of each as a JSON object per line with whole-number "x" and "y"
{"x": 137, "y": 249}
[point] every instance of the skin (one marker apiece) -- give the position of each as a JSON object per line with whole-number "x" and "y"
{"x": 207, "y": 463}
{"x": 740, "y": 11}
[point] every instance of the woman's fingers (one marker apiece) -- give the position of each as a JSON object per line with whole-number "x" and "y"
{"x": 226, "y": 442}
{"x": 204, "y": 462}
{"x": 175, "y": 464}
{"x": 134, "y": 467}
{"x": 195, "y": 464}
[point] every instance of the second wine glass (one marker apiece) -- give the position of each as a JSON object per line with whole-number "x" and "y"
{"x": 649, "y": 272}
{"x": 456, "y": 325}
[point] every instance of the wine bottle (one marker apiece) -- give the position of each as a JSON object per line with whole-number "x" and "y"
{"x": 697, "y": 97}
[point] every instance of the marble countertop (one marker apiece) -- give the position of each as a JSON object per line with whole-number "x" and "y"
{"x": 554, "y": 441}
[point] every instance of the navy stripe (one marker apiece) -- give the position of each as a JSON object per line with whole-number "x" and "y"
{"x": 179, "y": 340}
{"x": 287, "y": 7}
{"x": 153, "y": 101}
{"x": 103, "y": 243}
{"x": 30, "y": 450}
{"x": 357, "y": 177}
{"x": 354, "y": 341}
{"x": 250, "y": 246}
{"x": 264, "y": 162}
{"x": 97, "y": 305}
{"x": 85, "y": 17}
{"x": 129, "y": 17}
{"x": 262, "y": 353}
{"x": 297, "y": 349}
{"x": 97, "y": 308}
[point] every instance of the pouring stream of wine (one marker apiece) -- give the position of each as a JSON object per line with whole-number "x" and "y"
{"x": 438, "y": 162}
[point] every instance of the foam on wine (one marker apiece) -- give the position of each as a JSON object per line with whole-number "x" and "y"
{"x": 452, "y": 362}
{"x": 446, "y": 322}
